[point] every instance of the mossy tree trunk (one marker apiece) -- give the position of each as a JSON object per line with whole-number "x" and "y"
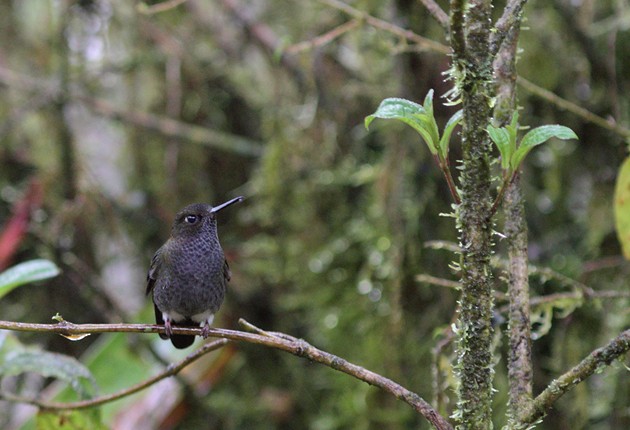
{"x": 472, "y": 71}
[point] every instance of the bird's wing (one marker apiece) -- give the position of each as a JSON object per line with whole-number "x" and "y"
{"x": 227, "y": 274}
{"x": 152, "y": 274}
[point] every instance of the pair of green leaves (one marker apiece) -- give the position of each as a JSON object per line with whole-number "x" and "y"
{"x": 512, "y": 154}
{"x": 421, "y": 118}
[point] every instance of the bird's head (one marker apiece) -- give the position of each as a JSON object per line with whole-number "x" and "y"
{"x": 198, "y": 218}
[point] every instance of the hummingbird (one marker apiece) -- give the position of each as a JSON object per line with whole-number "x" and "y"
{"x": 189, "y": 273}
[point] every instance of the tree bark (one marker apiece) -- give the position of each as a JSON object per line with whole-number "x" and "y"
{"x": 472, "y": 72}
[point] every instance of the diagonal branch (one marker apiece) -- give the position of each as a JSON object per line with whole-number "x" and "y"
{"x": 170, "y": 371}
{"x": 575, "y": 109}
{"x": 591, "y": 364}
{"x": 437, "y": 12}
{"x": 324, "y": 39}
{"x": 279, "y": 341}
{"x": 174, "y": 128}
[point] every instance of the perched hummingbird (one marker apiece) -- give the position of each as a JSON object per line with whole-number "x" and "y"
{"x": 189, "y": 273}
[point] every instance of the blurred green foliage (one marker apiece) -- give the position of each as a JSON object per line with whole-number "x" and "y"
{"x": 335, "y": 227}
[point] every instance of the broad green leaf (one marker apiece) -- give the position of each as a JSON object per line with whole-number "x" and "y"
{"x": 411, "y": 114}
{"x": 23, "y": 273}
{"x": 448, "y": 130}
{"x": 622, "y": 207}
{"x": 51, "y": 365}
{"x": 395, "y": 108}
{"x": 537, "y": 136}
{"x": 501, "y": 138}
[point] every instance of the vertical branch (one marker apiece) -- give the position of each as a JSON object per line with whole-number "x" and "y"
{"x": 519, "y": 359}
{"x": 472, "y": 70}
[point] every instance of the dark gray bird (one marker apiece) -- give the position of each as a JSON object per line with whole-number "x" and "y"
{"x": 189, "y": 273}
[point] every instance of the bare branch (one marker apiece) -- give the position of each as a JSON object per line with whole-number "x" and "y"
{"x": 575, "y": 109}
{"x": 437, "y": 12}
{"x": 591, "y": 364}
{"x": 423, "y": 42}
{"x": 325, "y": 38}
{"x": 279, "y": 341}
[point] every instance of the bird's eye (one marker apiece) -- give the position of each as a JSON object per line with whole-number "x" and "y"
{"x": 191, "y": 219}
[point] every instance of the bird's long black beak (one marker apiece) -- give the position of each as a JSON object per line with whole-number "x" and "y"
{"x": 226, "y": 204}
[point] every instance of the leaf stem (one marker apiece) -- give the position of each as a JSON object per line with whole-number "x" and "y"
{"x": 446, "y": 170}
{"x": 504, "y": 185}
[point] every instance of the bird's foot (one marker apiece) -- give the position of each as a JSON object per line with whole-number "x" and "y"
{"x": 168, "y": 328}
{"x": 205, "y": 330}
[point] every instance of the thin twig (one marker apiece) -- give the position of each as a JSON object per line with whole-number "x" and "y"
{"x": 323, "y": 39}
{"x": 279, "y": 341}
{"x": 171, "y": 370}
{"x": 159, "y": 7}
{"x": 575, "y": 109}
{"x": 437, "y": 12}
{"x": 265, "y": 37}
{"x": 505, "y": 183}
{"x": 427, "y": 44}
{"x": 443, "y": 163}
{"x": 440, "y": 282}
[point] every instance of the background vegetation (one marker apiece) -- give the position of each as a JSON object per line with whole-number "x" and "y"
{"x": 114, "y": 115}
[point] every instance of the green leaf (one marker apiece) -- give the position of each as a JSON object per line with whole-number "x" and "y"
{"x": 537, "y": 136}
{"x": 51, "y": 365}
{"x": 411, "y": 114}
{"x": 429, "y": 121}
{"x": 501, "y": 138}
{"x": 448, "y": 130}
{"x": 622, "y": 207}
{"x": 512, "y": 128}
{"x": 428, "y": 102}
{"x": 23, "y": 273}
{"x": 395, "y": 108}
